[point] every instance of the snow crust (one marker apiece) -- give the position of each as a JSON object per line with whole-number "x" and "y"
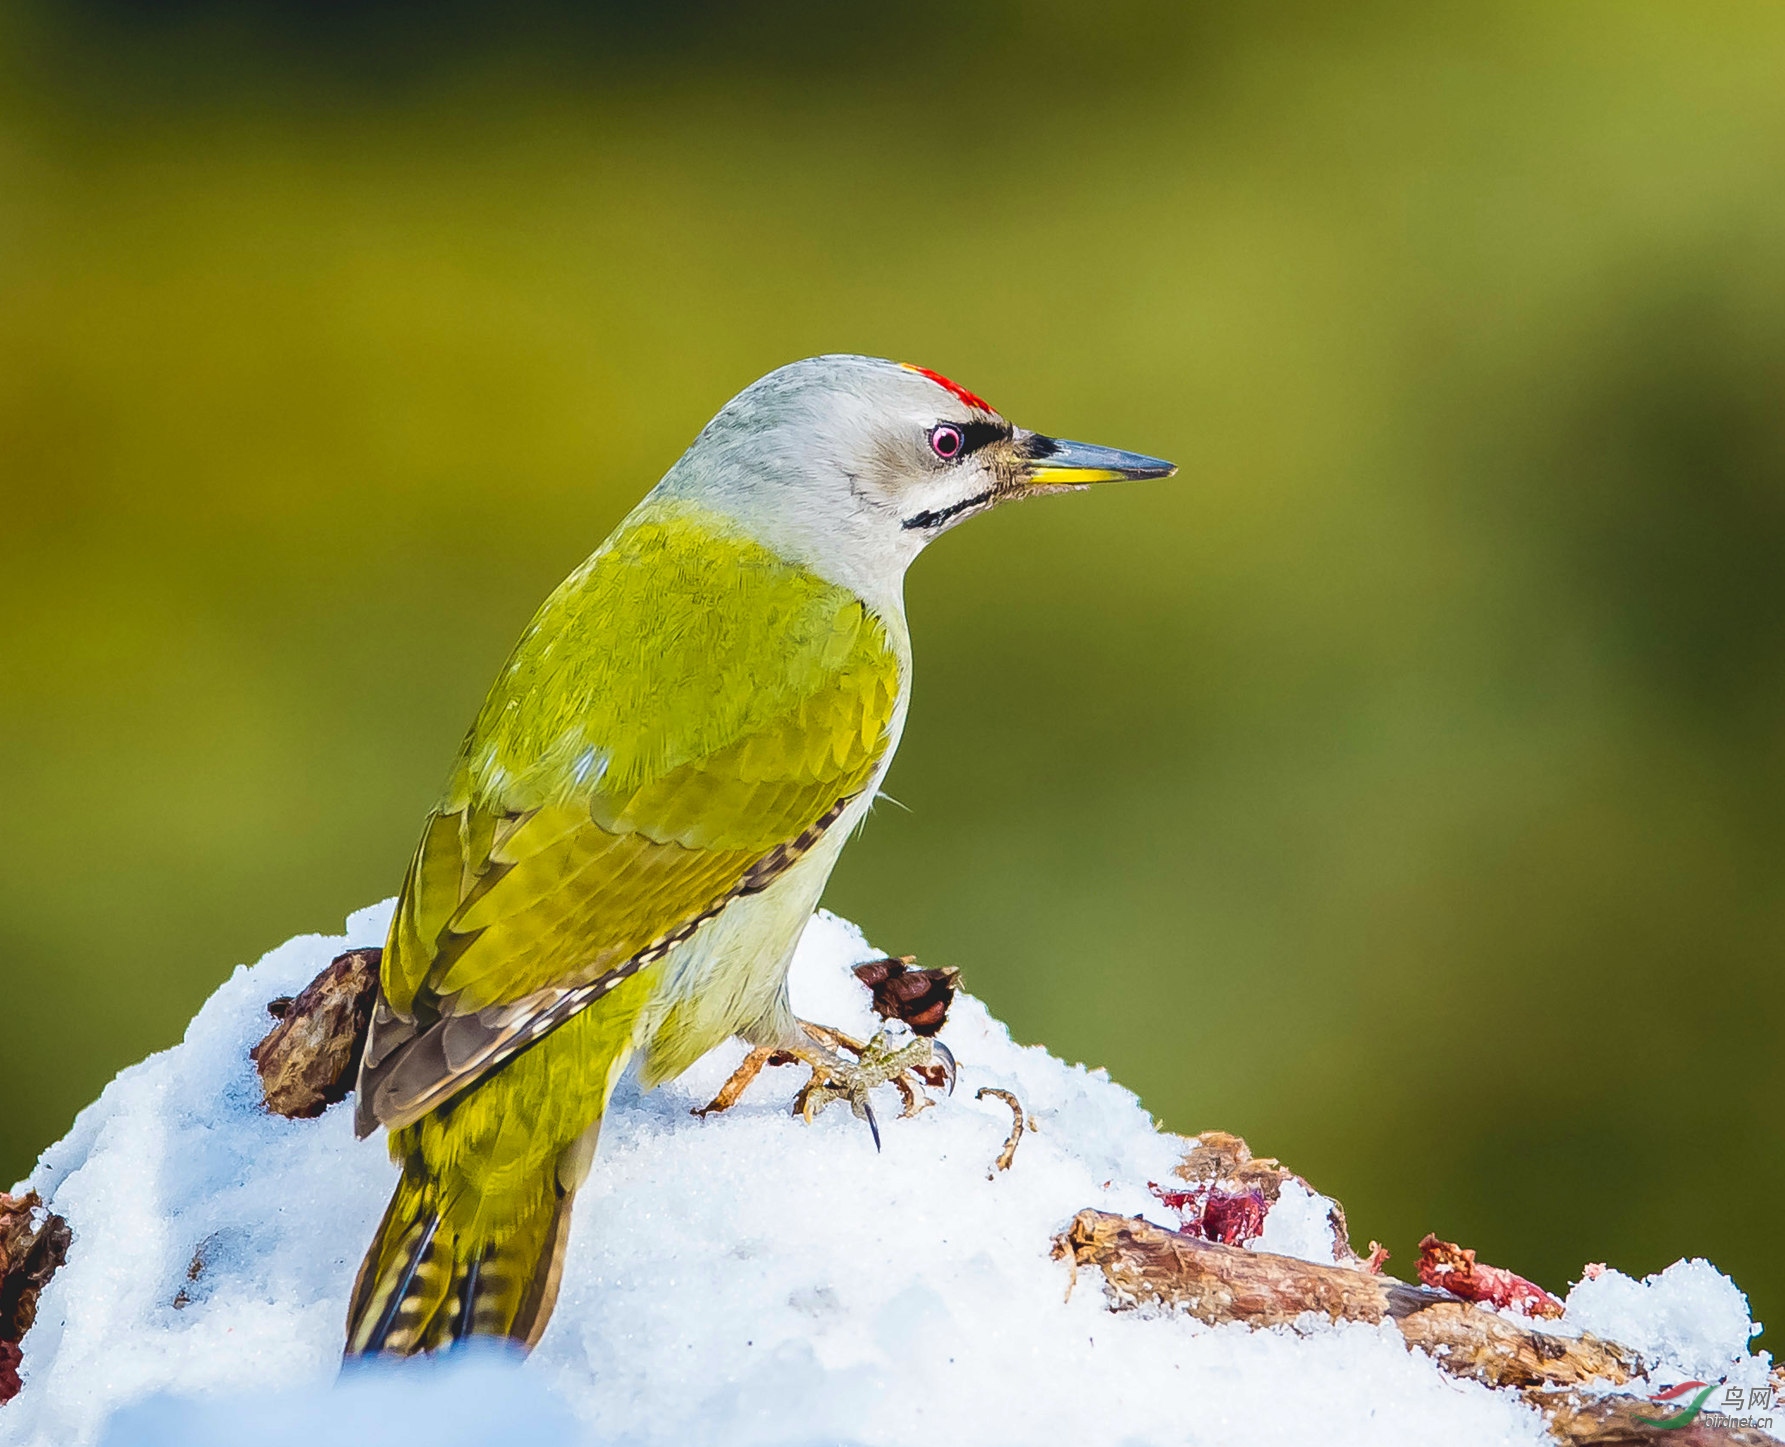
{"x": 1300, "y": 1224}
{"x": 746, "y": 1279}
{"x": 1690, "y": 1317}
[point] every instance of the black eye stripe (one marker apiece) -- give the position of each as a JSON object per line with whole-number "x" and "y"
{"x": 951, "y": 441}
{"x": 975, "y": 435}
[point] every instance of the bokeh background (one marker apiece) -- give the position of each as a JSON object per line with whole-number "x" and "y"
{"x": 1402, "y": 786}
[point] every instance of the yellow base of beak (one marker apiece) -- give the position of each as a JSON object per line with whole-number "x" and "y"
{"x": 1072, "y": 476}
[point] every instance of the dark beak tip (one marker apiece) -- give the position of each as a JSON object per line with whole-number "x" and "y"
{"x": 1150, "y": 469}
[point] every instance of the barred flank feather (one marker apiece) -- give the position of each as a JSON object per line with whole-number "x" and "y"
{"x": 424, "y": 1287}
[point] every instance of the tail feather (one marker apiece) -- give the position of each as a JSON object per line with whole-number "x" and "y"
{"x": 541, "y": 1283}
{"x": 473, "y": 1241}
{"x": 425, "y": 1286}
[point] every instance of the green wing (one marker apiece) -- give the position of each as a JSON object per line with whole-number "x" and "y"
{"x": 682, "y": 720}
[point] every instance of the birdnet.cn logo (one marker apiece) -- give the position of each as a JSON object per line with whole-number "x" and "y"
{"x": 1738, "y": 1407}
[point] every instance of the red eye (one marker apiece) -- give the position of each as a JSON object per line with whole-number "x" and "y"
{"x": 946, "y": 441}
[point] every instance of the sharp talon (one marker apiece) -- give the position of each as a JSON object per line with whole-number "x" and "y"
{"x": 892, "y": 1058}
{"x": 949, "y": 1068}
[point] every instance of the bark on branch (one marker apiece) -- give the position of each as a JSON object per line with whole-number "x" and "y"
{"x": 1146, "y": 1265}
{"x": 309, "y": 1060}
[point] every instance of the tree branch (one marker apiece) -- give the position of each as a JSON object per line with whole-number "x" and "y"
{"x": 1146, "y": 1265}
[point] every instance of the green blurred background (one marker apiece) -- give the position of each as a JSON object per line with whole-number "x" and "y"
{"x": 1403, "y": 786}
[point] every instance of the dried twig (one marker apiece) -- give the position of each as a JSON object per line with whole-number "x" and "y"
{"x": 1146, "y": 1265}
{"x": 1017, "y": 1124}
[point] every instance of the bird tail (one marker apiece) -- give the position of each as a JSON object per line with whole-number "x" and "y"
{"x": 425, "y": 1284}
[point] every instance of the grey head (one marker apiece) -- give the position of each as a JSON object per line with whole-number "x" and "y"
{"x": 851, "y": 465}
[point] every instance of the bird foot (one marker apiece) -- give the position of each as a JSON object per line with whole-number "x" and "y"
{"x": 893, "y": 1057}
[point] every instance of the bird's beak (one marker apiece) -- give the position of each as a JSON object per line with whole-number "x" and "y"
{"x": 1049, "y": 462}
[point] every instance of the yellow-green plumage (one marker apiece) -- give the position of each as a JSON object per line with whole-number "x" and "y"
{"x": 682, "y": 704}
{"x": 673, "y": 729}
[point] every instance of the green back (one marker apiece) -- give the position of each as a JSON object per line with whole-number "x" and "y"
{"x": 685, "y": 705}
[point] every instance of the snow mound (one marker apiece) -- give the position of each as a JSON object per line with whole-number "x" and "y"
{"x": 475, "y": 1398}
{"x": 1691, "y": 1317}
{"x": 746, "y": 1279}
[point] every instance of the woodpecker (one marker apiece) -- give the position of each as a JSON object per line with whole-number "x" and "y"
{"x": 644, "y": 814}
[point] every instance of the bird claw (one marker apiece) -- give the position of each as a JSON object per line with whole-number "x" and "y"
{"x": 890, "y": 1058}
{"x": 882, "y": 1061}
{"x": 949, "y": 1068}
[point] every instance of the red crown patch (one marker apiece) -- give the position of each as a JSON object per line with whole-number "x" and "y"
{"x": 953, "y": 388}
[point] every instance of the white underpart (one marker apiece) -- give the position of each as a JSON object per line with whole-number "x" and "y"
{"x": 744, "y": 952}
{"x": 746, "y": 1279}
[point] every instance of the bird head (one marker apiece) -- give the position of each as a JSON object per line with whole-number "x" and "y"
{"x": 850, "y": 465}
